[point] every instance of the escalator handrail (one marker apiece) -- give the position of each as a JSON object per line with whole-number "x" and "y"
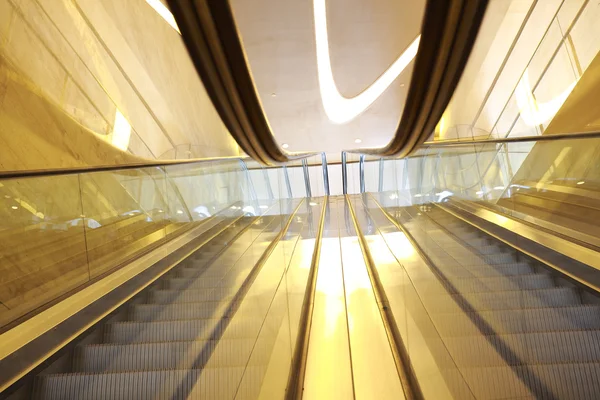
{"x": 209, "y": 31}
{"x": 448, "y": 35}
{"x": 115, "y": 167}
{"x": 508, "y": 140}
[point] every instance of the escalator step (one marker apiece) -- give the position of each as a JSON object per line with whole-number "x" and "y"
{"x": 510, "y": 300}
{"x": 185, "y": 330}
{"x": 519, "y": 321}
{"x": 488, "y": 270}
{"x": 167, "y": 355}
{"x": 171, "y": 312}
{"x": 484, "y": 250}
{"x": 189, "y": 296}
{"x": 210, "y": 383}
{"x": 199, "y": 283}
{"x": 527, "y": 348}
{"x": 488, "y": 284}
{"x": 559, "y": 381}
{"x": 202, "y": 282}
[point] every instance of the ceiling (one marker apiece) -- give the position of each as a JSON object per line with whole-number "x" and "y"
{"x": 365, "y": 38}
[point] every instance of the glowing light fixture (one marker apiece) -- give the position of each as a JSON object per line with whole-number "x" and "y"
{"x": 285, "y": 145}
{"x": 14, "y": 207}
{"x": 312, "y": 204}
{"x": 580, "y": 182}
{"x": 179, "y": 212}
{"x": 357, "y": 141}
{"x": 340, "y": 109}
{"x": 164, "y": 13}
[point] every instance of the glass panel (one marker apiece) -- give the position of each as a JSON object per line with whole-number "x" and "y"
{"x": 125, "y": 212}
{"x": 43, "y": 246}
{"x": 61, "y": 232}
{"x": 553, "y": 184}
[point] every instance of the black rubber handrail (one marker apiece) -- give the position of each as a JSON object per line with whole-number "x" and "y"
{"x": 448, "y": 34}
{"x": 211, "y": 37}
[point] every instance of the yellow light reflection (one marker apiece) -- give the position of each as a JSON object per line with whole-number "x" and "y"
{"x": 164, "y": 13}
{"x": 307, "y": 247}
{"x": 557, "y": 161}
{"x": 442, "y": 127}
{"x": 532, "y": 112}
{"x": 121, "y": 133}
{"x": 29, "y": 208}
{"x": 399, "y": 244}
{"x": 329, "y": 283}
{"x": 379, "y": 249}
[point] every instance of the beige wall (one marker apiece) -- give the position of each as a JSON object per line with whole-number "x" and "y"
{"x": 108, "y": 67}
{"x": 557, "y": 42}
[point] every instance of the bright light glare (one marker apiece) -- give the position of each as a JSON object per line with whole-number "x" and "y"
{"x": 338, "y": 108}
{"x": 179, "y": 212}
{"x": 418, "y": 195}
{"x": 285, "y": 145}
{"x": 263, "y": 207}
{"x": 357, "y": 141}
{"x": 401, "y": 247}
{"x": 533, "y": 112}
{"x": 580, "y": 182}
{"x": 164, "y": 13}
{"x": 121, "y": 132}
{"x": 479, "y": 193}
{"x": 312, "y": 204}
{"x": 393, "y": 196}
{"x": 499, "y": 188}
{"x": 14, "y": 207}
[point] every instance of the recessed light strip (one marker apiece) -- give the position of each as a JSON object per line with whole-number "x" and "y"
{"x": 338, "y": 108}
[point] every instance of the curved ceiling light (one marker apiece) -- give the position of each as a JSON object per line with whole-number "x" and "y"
{"x": 340, "y": 109}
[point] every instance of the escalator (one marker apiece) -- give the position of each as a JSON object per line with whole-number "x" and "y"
{"x": 512, "y": 326}
{"x": 168, "y": 333}
{"x": 407, "y": 302}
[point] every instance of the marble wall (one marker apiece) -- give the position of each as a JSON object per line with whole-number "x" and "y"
{"x": 76, "y": 75}
{"x": 520, "y": 73}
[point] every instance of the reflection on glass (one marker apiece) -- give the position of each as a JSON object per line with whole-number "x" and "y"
{"x": 43, "y": 249}
{"x": 61, "y": 232}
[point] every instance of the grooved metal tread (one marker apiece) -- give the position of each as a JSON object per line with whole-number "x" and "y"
{"x": 584, "y": 317}
{"x": 162, "y": 296}
{"x": 526, "y": 348}
{"x": 176, "y": 311}
{"x": 166, "y": 355}
{"x": 182, "y": 330}
{"x": 498, "y": 270}
{"x": 209, "y": 383}
{"x": 555, "y": 297}
{"x": 487, "y": 284}
{"x": 544, "y": 381}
